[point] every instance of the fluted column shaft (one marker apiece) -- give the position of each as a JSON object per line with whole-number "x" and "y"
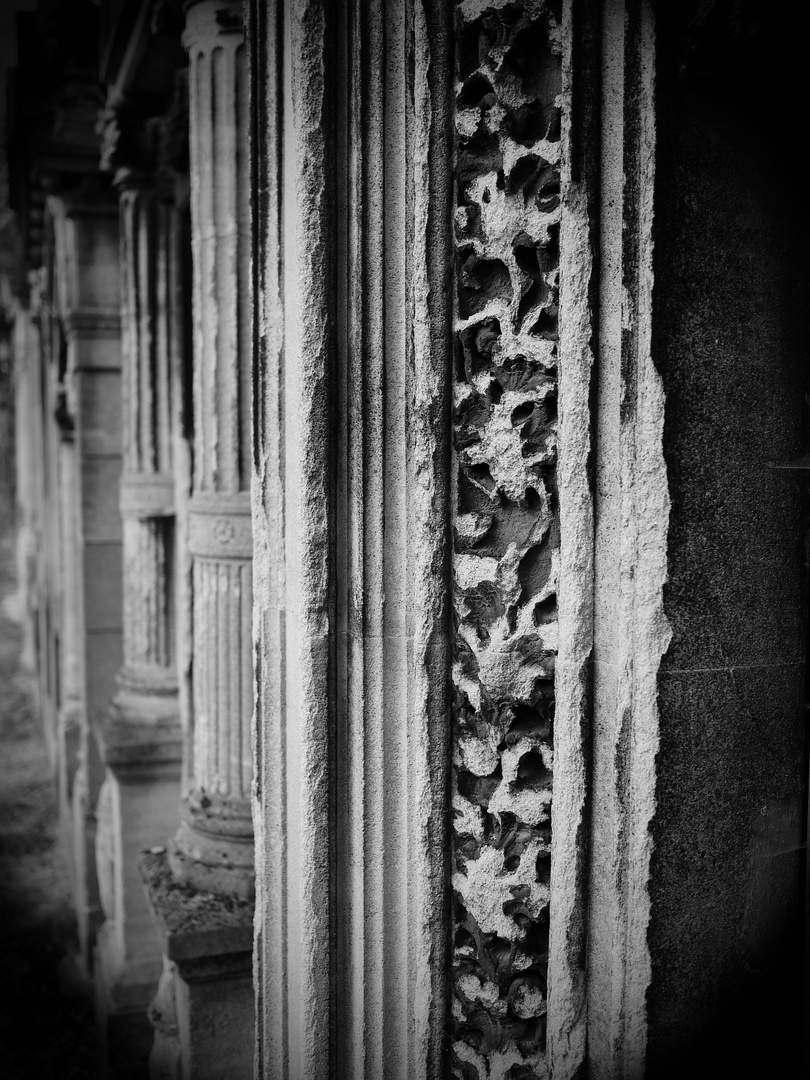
{"x": 147, "y": 699}
{"x": 214, "y": 848}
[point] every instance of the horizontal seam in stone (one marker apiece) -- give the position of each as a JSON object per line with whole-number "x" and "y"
{"x": 731, "y": 668}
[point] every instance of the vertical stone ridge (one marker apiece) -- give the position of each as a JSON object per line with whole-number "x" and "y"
{"x": 428, "y": 436}
{"x": 506, "y": 530}
{"x": 310, "y": 551}
{"x": 350, "y": 515}
{"x": 267, "y": 47}
{"x": 614, "y": 510}
{"x": 644, "y": 558}
{"x": 567, "y": 1007}
{"x": 178, "y": 255}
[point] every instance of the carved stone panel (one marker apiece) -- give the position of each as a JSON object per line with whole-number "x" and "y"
{"x": 506, "y": 534}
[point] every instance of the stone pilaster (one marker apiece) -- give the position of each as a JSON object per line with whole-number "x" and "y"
{"x": 351, "y": 186}
{"x": 214, "y": 847}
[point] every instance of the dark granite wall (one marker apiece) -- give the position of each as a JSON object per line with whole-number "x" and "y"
{"x": 730, "y": 341}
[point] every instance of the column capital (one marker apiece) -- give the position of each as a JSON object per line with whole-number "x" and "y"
{"x": 208, "y": 20}
{"x": 128, "y": 144}
{"x": 143, "y": 146}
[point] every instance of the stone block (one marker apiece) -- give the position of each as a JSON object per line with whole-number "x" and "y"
{"x": 103, "y": 660}
{"x": 209, "y": 939}
{"x": 101, "y": 518}
{"x": 100, "y": 406}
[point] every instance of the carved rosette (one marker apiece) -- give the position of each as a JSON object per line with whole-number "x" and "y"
{"x": 214, "y": 847}
{"x": 506, "y": 533}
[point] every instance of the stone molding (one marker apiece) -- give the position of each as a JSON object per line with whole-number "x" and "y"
{"x": 614, "y": 510}
{"x": 220, "y": 526}
{"x": 221, "y": 245}
{"x": 147, "y": 495}
{"x": 89, "y": 323}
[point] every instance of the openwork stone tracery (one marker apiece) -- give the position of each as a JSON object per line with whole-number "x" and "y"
{"x": 505, "y": 530}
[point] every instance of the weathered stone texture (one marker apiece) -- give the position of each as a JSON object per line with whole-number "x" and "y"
{"x": 730, "y": 341}
{"x": 148, "y": 627}
{"x": 352, "y": 172}
{"x": 221, "y": 246}
{"x": 506, "y": 536}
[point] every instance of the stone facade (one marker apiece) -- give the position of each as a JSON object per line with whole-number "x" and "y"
{"x": 411, "y": 523}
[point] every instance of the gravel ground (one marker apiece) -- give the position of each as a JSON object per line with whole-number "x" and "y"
{"x": 47, "y": 1027}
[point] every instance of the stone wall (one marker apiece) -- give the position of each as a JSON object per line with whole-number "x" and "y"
{"x": 729, "y": 823}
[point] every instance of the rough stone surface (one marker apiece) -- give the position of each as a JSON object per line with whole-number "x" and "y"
{"x": 194, "y": 924}
{"x": 203, "y": 1013}
{"x": 506, "y": 537}
{"x": 731, "y": 343}
{"x": 567, "y": 1013}
{"x": 141, "y": 738}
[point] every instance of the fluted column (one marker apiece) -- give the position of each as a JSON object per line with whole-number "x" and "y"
{"x": 214, "y": 847}
{"x": 142, "y": 739}
{"x": 148, "y": 681}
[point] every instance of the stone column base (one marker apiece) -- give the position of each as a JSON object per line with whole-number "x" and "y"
{"x": 135, "y": 807}
{"x": 122, "y": 998}
{"x": 209, "y": 941}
